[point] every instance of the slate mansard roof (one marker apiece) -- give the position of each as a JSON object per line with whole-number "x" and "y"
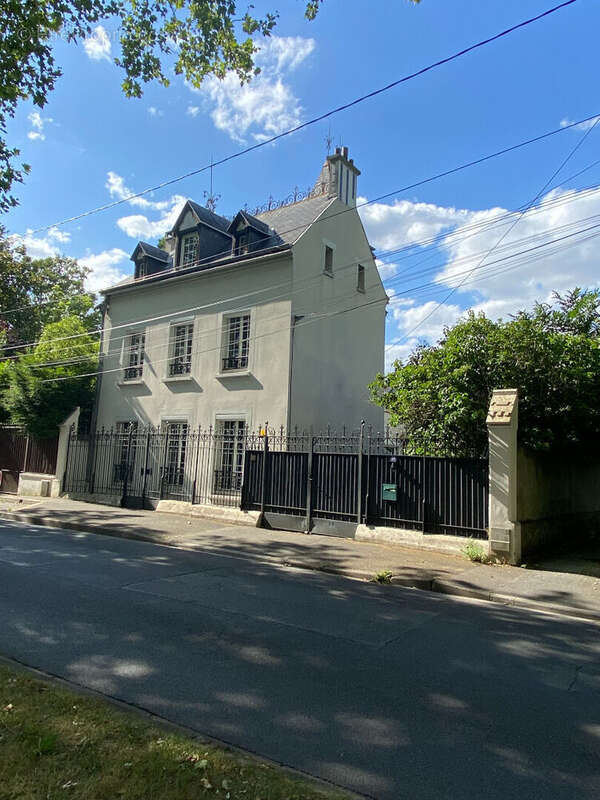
{"x": 281, "y": 228}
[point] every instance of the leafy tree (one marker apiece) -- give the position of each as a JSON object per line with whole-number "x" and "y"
{"x": 35, "y": 292}
{"x": 46, "y": 384}
{"x": 550, "y": 353}
{"x": 195, "y": 38}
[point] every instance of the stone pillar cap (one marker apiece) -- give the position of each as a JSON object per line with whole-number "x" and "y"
{"x": 502, "y": 406}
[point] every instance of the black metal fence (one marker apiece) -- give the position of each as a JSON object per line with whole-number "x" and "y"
{"x": 20, "y": 452}
{"x": 330, "y": 483}
{"x": 326, "y": 483}
{"x": 140, "y": 466}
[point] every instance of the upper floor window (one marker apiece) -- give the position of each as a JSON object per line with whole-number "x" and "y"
{"x": 180, "y": 349}
{"x": 236, "y": 341}
{"x": 328, "y": 260}
{"x": 242, "y": 242}
{"x": 360, "y": 278}
{"x": 135, "y": 345}
{"x": 189, "y": 248}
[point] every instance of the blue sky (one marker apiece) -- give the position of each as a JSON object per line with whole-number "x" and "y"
{"x": 90, "y": 145}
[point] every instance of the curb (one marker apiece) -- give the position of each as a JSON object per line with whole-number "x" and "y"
{"x": 431, "y": 584}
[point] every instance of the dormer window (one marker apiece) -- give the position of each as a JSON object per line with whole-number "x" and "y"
{"x": 189, "y": 248}
{"x": 242, "y": 242}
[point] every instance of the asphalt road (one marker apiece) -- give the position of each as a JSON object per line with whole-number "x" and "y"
{"x": 392, "y": 693}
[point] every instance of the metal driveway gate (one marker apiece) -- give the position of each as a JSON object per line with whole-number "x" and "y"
{"x": 331, "y": 483}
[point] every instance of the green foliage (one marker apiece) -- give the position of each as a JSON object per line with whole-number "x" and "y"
{"x": 36, "y": 292}
{"x": 383, "y": 576}
{"x": 551, "y": 354}
{"x": 44, "y": 385}
{"x": 475, "y": 552}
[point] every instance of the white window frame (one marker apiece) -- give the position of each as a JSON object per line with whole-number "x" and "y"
{"x": 186, "y": 237}
{"x": 182, "y": 454}
{"x": 126, "y": 356}
{"x": 170, "y": 373}
{"x": 325, "y": 246}
{"x": 221, "y": 486}
{"x": 225, "y": 353}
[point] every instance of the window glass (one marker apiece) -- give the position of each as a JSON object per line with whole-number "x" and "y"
{"x": 134, "y": 356}
{"x": 328, "y": 265}
{"x": 180, "y": 346}
{"x": 236, "y": 344}
{"x": 189, "y": 248}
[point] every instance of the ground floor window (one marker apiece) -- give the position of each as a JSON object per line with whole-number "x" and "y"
{"x": 126, "y": 444}
{"x": 176, "y": 435}
{"x": 230, "y": 441}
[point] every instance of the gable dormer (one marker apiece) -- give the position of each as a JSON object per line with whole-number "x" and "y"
{"x": 149, "y": 260}
{"x": 199, "y": 236}
{"x": 249, "y": 234}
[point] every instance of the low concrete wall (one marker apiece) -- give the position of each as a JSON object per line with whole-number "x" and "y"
{"x": 227, "y": 514}
{"x": 35, "y": 484}
{"x": 408, "y": 538}
{"x": 558, "y": 500}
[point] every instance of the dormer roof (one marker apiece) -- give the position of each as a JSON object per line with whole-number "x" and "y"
{"x": 150, "y": 250}
{"x": 251, "y": 221}
{"x": 203, "y": 215}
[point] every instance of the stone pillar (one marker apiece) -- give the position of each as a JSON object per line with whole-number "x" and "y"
{"x": 63, "y": 447}
{"x": 502, "y": 424}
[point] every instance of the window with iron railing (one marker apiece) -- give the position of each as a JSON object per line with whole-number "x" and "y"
{"x": 236, "y": 342}
{"x": 126, "y": 440}
{"x": 180, "y": 347}
{"x": 230, "y": 435}
{"x": 135, "y": 345}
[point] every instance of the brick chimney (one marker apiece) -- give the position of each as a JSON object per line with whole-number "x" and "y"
{"x": 338, "y": 177}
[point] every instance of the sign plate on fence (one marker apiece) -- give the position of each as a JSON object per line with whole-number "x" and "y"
{"x": 389, "y": 491}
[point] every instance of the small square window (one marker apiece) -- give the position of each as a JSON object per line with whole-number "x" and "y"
{"x": 360, "y": 278}
{"x": 328, "y": 260}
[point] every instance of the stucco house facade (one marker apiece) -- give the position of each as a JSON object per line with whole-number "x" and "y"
{"x": 271, "y": 318}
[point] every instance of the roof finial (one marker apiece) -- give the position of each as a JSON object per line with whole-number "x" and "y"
{"x": 211, "y": 199}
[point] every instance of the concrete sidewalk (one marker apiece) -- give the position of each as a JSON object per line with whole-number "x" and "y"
{"x": 554, "y": 586}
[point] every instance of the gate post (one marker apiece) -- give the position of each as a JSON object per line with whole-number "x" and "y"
{"x": 145, "y": 483}
{"x": 309, "y": 481}
{"x": 359, "y": 466}
{"x": 126, "y": 476}
{"x": 263, "y": 477}
{"x": 502, "y": 425}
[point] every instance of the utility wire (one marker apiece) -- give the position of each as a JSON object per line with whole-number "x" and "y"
{"x": 507, "y": 232}
{"x": 316, "y": 119}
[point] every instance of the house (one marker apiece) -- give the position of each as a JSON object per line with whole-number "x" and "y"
{"x": 271, "y": 317}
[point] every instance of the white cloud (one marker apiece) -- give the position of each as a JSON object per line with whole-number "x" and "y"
{"x": 464, "y": 237}
{"x": 37, "y": 126}
{"x": 390, "y": 226}
{"x": 57, "y": 235}
{"x": 139, "y": 226}
{"x": 193, "y": 111}
{"x": 583, "y": 126}
{"x": 155, "y": 112}
{"x": 97, "y": 46}
{"x": 103, "y": 266}
{"x": 266, "y": 105}
{"x": 36, "y": 246}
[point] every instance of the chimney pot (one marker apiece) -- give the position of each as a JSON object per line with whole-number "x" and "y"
{"x": 345, "y": 152}
{"x": 338, "y": 151}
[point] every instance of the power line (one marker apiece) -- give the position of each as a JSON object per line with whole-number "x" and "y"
{"x": 318, "y": 316}
{"x": 457, "y": 236}
{"x": 506, "y": 233}
{"x": 314, "y": 120}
